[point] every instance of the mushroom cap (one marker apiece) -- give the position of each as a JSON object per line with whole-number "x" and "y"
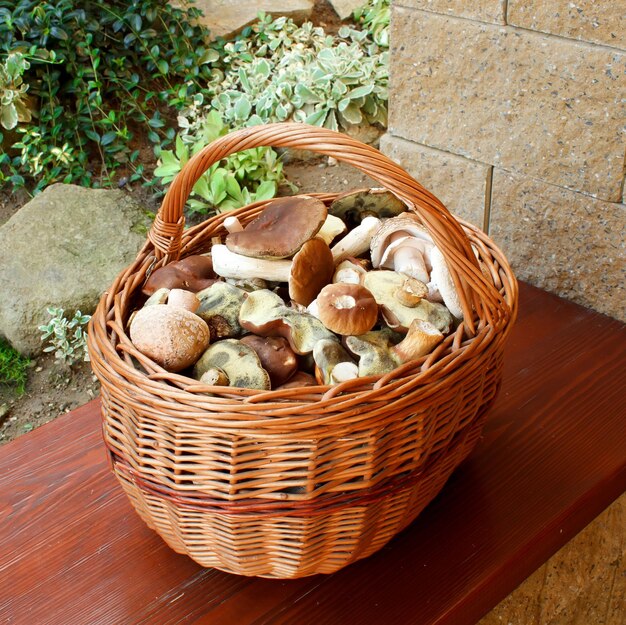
{"x": 219, "y": 307}
{"x": 276, "y": 357}
{"x": 281, "y": 229}
{"x": 374, "y": 351}
{"x": 180, "y": 298}
{"x": 238, "y": 361}
{"x": 298, "y": 380}
{"x": 265, "y": 314}
{"x": 353, "y": 206}
{"x": 420, "y": 340}
{"x": 172, "y": 337}
{"x": 312, "y": 268}
{"x": 327, "y": 355}
{"x": 384, "y": 284}
{"x": 347, "y": 308}
{"x": 407, "y": 224}
{"x": 193, "y": 273}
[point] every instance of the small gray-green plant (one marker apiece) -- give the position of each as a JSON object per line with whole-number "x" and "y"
{"x": 277, "y": 70}
{"x": 238, "y": 180}
{"x": 13, "y": 105}
{"x": 67, "y": 338}
{"x": 373, "y": 17}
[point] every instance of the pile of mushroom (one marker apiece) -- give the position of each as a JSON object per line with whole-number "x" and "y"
{"x": 304, "y": 294}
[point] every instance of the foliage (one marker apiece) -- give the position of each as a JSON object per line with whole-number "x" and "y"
{"x": 13, "y": 105}
{"x": 276, "y": 70}
{"x": 374, "y": 17}
{"x": 116, "y": 68}
{"x": 66, "y": 337}
{"x": 13, "y": 367}
{"x": 238, "y": 180}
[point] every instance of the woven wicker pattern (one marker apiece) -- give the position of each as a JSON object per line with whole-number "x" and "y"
{"x": 302, "y": 481}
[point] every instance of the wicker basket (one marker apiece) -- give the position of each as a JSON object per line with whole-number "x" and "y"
{"x": 302, "y": 481}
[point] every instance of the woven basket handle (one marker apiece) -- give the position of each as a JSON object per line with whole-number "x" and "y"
{"x": 474, "y": 291}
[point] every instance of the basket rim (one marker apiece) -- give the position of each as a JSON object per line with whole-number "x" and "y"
{"x": 107, "y": 325}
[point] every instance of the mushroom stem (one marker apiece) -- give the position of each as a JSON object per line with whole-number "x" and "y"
{"x": 357, "y": 241}
{"x": 343, "y": 372}
{"x": 230, "y": 265}
{"x": 410, "y": 262}
{"x": 232, "y": 224}
{"x": 420, "y": 340}
{"x": 215, "y": 377}
{"x": 331, "y": 228}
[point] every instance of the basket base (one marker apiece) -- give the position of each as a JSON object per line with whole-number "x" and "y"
{"x": 287, "y": 544}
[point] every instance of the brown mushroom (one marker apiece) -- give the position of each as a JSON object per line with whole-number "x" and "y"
{"x": 299, "y": 379}
{"x": 347, "y": 308}
{"x": 354, "y": 206}
{"x": 281, "y": 229}
{"x": 193, "y": 273}
{"x": 311, "y": 269}
{"x": 171, "y": 336}
{"x": 420, "y": 340}
{"x": 276, "y": 357}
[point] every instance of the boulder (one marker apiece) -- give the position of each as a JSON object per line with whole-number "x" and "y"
{"x": 226, "y": 18}
{"x": 345, "y": 8}
{"x": 63, "y": 249}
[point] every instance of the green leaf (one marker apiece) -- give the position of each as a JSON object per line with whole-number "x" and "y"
{"x": 265, "y": 191}
{"x": 8, "y": 118}
{"x": 317, "y": 118}
{"x": 59, "y": 33}
{"x": 361, "y": 92}
{"x": 163, "y": 66}
{"x": 108, "y": 137}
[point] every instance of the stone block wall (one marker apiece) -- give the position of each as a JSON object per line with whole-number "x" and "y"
{"x": 513, "y": 113}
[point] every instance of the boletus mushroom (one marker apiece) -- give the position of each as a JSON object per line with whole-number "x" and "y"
{"x": 281, "y": 229}
{"x": 352, "y": 207}
{"x": 311, "y": 269}
{"x": 171, "y": 335}
{"x": 347, "y": 308}
{"x": 238, "y": 361}
{"x": 276, "y": 357}
{"x": 193, "y": 273}
{"x": 265, "y": 314}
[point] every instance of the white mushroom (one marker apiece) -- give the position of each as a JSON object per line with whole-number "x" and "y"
{"x": 404, "y": 245}
{"x": 349, "y": 272}
{"x": 441, "y": 277}
{"x": 357, "y": 241}
{"x": 343, "y": 372}
{"x": 331, "y": 228}
{"x": 232, "y": 224}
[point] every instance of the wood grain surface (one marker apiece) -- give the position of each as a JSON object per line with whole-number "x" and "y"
{"x": 553, "y": 456}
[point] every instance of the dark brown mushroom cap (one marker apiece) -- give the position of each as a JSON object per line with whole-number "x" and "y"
{"x": 299, "y": 379}
{"x": 193, "y": 273}
{"x": 311, "y": 270}
{"x": 353, "y": 206}
{"x": 281, "y": 229}
{"x": 276, "y": 357}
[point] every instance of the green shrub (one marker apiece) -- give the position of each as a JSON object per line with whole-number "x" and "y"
{"x": 115, "y": 69}
{"x": 276, "y": 70}
{"x": 374, "y": 17}
{"x": 240, "y": 179}
{"x": 13, "y": 367}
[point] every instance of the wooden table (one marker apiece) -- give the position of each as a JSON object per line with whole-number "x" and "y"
{"x": 553, "y": 456}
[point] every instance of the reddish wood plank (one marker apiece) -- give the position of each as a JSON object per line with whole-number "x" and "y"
{"x": 552, "y": 457}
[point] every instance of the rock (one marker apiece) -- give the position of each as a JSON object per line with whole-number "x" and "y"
{"x": 63, "y": 248}
{"x": 4, "y": 411}
{"x": 588, "y": 20}
{"x": 562, "y": 241}
{"x": 345, "y": 8}
{"x": 461, "y": 184}
{"x": 226, "y": 18}
{"x": 546, "y": 107}
{"x": 481, "y": 10}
